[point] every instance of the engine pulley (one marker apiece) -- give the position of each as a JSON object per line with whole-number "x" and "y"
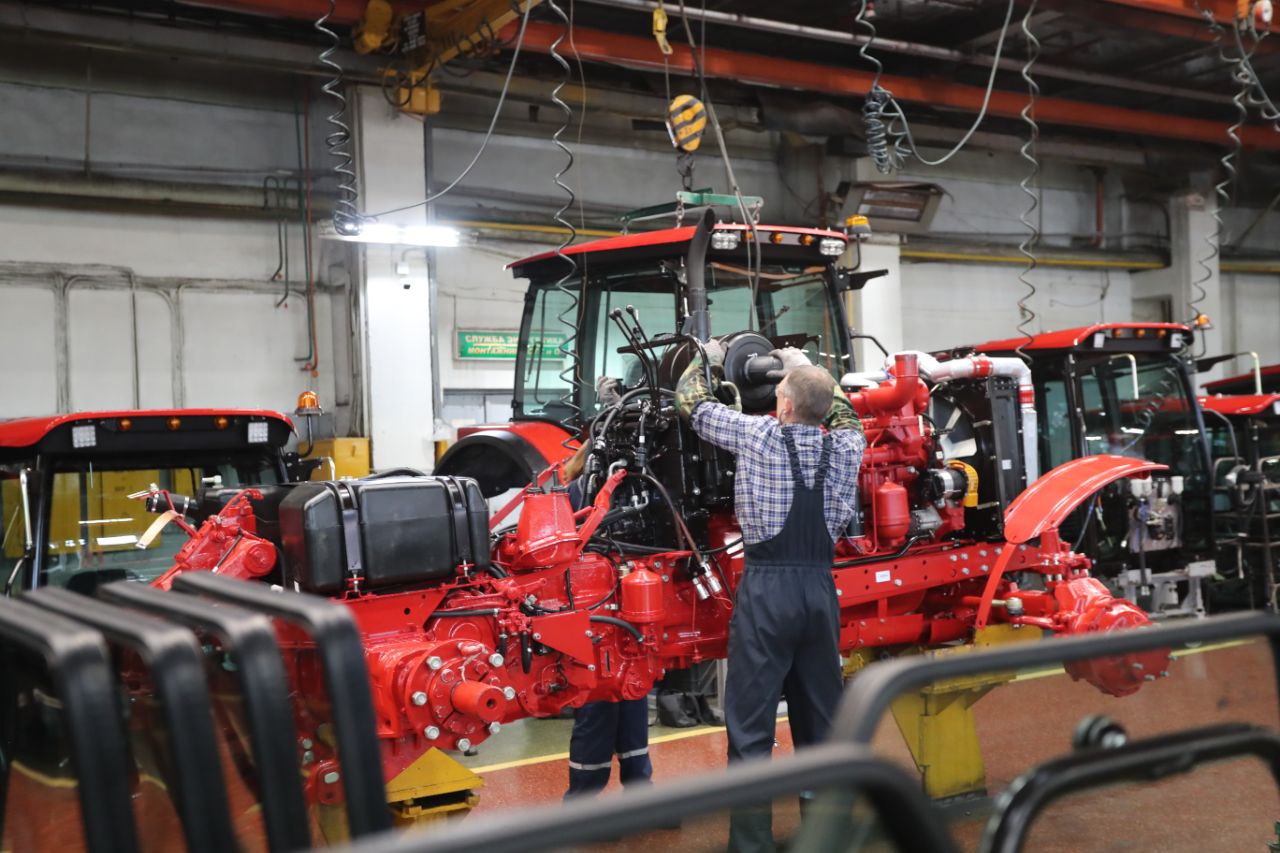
{"x": 748, "y": 365}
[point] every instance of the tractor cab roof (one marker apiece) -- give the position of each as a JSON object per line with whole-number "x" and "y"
{"x": 1104, "y": 337}
{"x": 1244, "y": 383}
{"x": 1242, "y": 405}
{"x": 144, "y": 430}
{"x": 782, "y": 244}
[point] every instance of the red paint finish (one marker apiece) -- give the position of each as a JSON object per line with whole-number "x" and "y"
{"x": 1242, "y": 405}
{"x": 546, "y": 438}
{"x": 24, "y": 432}
{"x": 642, "y": 52}
{"x": 1072, "y": 338}
{"x": 1245, "y": 381}
{"x": 452, "y": 660}
{"x": 1053, "y": 497}
{"x": 664, "y": 237}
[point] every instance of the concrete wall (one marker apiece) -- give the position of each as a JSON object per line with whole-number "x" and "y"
{"x": 203, "y": 287}
{"x": 946, "y": 305}
{"x": 122, "y": 129}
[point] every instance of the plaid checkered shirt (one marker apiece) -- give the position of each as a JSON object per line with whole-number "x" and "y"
{"x": 762, "y": 480}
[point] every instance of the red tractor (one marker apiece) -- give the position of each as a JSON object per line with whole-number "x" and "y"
{"x": 1126, "y": 389}
{"x": 1244, "y": 431}
{"x": 66, "y": 483}
{"x": 469, "y": 623}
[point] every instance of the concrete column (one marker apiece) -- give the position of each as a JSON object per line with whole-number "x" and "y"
{"x": 877, "y": 308}
{"x": 1192, "y": 229}
{"x": 398, "y": 326}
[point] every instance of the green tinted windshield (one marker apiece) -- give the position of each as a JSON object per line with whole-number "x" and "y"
{"x": 792, "y": 306}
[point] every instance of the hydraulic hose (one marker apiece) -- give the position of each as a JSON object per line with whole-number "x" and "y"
{"x": 620, "y": 623}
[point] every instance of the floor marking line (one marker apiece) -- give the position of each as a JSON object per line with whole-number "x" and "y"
{"x": 563, "y": 756}
{"x": 706, "y": 730}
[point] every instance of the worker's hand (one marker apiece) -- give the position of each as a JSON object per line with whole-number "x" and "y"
{"x": 791, "y": 359}
{"x": 715, "y": 352}
{"x": 608, "y": 390}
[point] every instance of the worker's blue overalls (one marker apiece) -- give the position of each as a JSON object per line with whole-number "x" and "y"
{"x": 783, "y": 641}
{"x": 604, "y": 729}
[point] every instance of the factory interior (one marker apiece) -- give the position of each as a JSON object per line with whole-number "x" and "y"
{"x": 633, "y": 425}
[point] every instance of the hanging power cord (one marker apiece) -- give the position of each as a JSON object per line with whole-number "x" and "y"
{"x": 1026, "y": 315}
{"x": 346, "y": 215}
{"x": 753, "y": 244}
{"x": 571, "y": 375}
{"x": 880, "y": 104}
{"x": 1224, "y": 188}
{"x": 488, "y": 134}
{"x": 877, "y": 100}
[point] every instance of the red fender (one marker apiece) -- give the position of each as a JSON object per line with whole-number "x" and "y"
{"x": 1056, "y": 495}
{"x": 1044, "y": 506}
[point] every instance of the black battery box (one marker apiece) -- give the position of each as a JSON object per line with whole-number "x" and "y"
{"x": 388, "y": 531}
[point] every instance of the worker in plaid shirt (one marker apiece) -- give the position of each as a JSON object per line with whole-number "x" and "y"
{"x": 795, "y": 494}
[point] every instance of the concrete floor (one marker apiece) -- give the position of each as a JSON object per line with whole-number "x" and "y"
{"x": 1228, "y": 807}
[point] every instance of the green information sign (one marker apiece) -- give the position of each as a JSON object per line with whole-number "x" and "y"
{"x": 501, "y": 346}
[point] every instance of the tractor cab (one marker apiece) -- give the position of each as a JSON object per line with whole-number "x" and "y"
{"x": 1244, "y": 438}
{"x": 1125, "y": 388}
{"x": 616, "y": 311}
{"x": 1263, "y": 380}
{"x": 69, "y": 516}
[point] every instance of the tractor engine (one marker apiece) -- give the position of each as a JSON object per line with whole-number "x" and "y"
{"x": 596, "y": 589}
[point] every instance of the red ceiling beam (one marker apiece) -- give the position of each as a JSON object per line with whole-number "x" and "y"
{"x": 1119, "y": 13}
{"x": 1224, "y": 11}
{"x": 638, "y": 52}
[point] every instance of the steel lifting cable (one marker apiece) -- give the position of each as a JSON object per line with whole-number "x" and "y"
{"x": 488, "y": 134}
{"x": 571, "y": 374}
{"x": 346, "y": 214}
{"x": 1028, "y": 152}
{"x": 753, "y": 244}
{"x": 880, "y": 104}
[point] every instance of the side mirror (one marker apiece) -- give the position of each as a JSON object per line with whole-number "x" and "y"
{"x": 845, "y": 278}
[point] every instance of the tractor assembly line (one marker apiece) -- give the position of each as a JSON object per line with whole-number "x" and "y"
{"x": 665, "y": 373}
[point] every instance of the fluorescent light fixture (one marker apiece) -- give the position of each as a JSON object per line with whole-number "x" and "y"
{"x": 84, "y": 436}
{"x": 397, "y": 235}
{"x": 258, "y": 432}
{"x": 1186, "y": 432}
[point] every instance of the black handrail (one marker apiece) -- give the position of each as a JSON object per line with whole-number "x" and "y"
{"x": 895, "y": 795}
{"x": 1146, "y": 760}
{"x": 250, "y": 641}
{"x": 79, "y": 665}
{"x": 176, "y": 669}
{"x": 346, "y": 678}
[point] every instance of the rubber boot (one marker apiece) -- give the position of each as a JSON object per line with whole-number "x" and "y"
{"x": 707, "y": 714}
{"x": 672, "y": 712}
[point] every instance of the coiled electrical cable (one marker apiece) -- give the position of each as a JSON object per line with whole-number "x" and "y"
{"x": 877, "y": 100}
{"x": 1241, "y": 73}
{"x": 346, "y": 214}
{"x": 883, "y": 105}
{"x": 1028, "y": 152}
{"x": 571, "y": 374}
